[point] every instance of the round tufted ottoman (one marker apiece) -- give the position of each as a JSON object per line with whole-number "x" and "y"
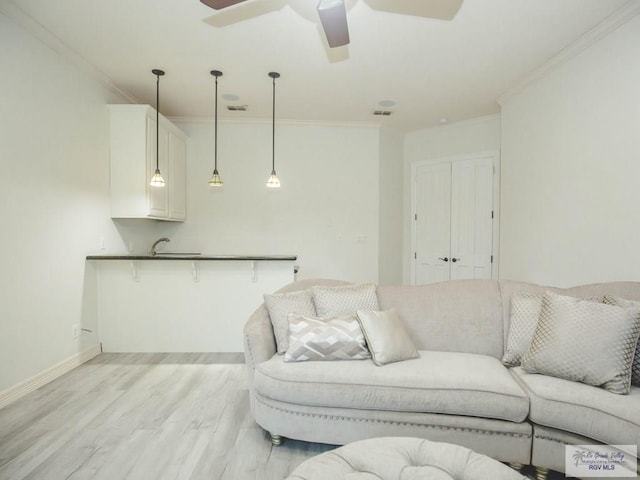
{"x": 402, "y": 458}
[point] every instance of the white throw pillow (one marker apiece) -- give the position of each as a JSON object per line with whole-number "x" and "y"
{"x": 279, "y": 306}
{"x": 633, "y": 304}
{"x": 337, "y": 338}
{"x": 584, "y": 341}
{"x": 344, "y": 300}
{"x": 386, "y": 336}
{"x": 525, "y": 312}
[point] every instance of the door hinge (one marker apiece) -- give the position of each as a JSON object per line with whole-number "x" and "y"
{"x": 415, "y": 217}
{"x": 491, "y": 213}
{"x": 491, "y": 258}
{"x": 415, "y": 255}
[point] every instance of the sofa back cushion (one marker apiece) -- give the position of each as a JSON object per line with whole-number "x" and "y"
{"x": 454, "y": 316}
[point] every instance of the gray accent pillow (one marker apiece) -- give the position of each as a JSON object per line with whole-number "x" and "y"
{"x": 313, "y": 338}
{"x": 525, "y": 312}
{"x": 584, "y": 341}
{"x": 344, "y": 300}
{"x": 386, "y": 336}
{"x": 635, "y": 305}
{"x": 279, "y": 306}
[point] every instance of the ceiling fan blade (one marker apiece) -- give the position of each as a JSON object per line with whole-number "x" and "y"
{"x": 220, "y": 4}
{"x": 333, "y": 16}
{"x": 438, "y": 9}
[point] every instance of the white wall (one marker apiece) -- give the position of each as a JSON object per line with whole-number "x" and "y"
{"x": 54, "y": 203}
{"x": 326, "y": 211}
{"x": 476, "y": 135}
{"x": 571, "y": 169}
{"x": 390, "y": 205}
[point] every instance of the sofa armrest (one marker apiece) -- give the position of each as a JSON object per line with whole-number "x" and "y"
{"x": 259, "y": 341}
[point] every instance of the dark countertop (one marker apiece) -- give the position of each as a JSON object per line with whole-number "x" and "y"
{"x": 192, "y": 257}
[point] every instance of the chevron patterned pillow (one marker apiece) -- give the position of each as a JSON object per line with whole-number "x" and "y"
{"x": 338, "y": 338}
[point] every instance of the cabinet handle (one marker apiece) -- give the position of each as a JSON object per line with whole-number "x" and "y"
{"x": 454, "y": 260}
{"x": 445, "y": 259}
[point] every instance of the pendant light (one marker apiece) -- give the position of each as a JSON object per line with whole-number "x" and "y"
{"x": 215, "y": 180}
{"x": 274, "y": 181}
{"x": 157, "y": 180}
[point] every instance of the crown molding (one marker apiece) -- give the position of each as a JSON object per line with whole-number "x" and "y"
{"x": 621, "y": 16}
{"x": 28, "y": 23}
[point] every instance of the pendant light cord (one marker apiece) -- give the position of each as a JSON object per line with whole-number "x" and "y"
{"x": 215, "y": 132}
{"x": 157, "y": 122}
{"x": 273, "y": 129}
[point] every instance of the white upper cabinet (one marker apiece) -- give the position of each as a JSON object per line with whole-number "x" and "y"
{"x": 133, "y": 161}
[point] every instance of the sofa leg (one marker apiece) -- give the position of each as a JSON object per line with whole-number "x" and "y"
{"x": 516, "y": 466}
{"x": 276, "y": 440}
{"x": 541, "y": 473}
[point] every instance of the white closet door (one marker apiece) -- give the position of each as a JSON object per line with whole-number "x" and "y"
{"x": 471, "y": 218}
{"x": 432, "y": 222}
{"x": 453, "y": 224}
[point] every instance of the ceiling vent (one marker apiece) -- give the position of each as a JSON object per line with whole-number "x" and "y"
{"x": 237, "y": 108}
{"x": 383, "y": 113}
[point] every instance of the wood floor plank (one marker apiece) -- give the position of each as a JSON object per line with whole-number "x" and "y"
{"x": 143, "y": 416}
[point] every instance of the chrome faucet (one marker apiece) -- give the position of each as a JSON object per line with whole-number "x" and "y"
{"x": 153, "y": 252}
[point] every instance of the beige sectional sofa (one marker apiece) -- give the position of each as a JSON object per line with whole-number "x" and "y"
{"x": 457, "y": 391}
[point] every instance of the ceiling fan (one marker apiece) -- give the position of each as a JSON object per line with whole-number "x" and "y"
{"x": 333, "y": 13}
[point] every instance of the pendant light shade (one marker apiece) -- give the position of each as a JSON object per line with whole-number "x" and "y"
{"x": 273, "y": 181}
{"x": 215, "y": 180}
{"x": 157, "y": 180}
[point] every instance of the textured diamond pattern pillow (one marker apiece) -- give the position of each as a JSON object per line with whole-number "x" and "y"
{"x": 337, "y": 338}
{"x": 344, "y": 300}
{"x": 525, "y": 312}
{"x": 279, "y": 306}
{"x": 386, "y": 336}
{"x": 583, "y": 341}
{"x": 635, "y": 305}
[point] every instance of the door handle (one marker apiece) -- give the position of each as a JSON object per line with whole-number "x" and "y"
{"x": 454, "y": 260}
{"x": 445, "y": 259}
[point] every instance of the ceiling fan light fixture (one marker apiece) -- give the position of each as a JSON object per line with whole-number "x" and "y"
{"x": 157, "y": 180}
{"x": 333, "y": 16}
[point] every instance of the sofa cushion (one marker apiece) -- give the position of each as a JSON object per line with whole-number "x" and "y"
{"x": 635, "y": 305}
{"x": 525, "y": 312}
{"x": 279, "y": 306}
{"x": 344, "y": 300}
{"x": 436, "y": 382}
{"x": 338, "y": 338}
{"x": 582, "y": 409}
{"x": 386, "y": 336}
{"x": 584, "y": 341}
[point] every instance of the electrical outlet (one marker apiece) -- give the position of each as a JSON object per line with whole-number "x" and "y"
{"x": 75, "y": 330}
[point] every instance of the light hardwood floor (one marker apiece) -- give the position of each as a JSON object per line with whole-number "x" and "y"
{"x": 147, "y": 417}
{"x": 143, "y": 416}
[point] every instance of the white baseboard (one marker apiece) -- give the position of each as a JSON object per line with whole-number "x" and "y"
{"x": 29, "y": 385}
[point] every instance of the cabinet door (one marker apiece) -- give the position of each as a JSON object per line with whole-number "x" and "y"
{"x": 158, "y": 197}
{"x": 471, "y": 218}
{"x": 432, "y": 222}
{"x": 178, "y": 174}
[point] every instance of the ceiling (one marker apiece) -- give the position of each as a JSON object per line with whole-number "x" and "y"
{"x": 432, "y": 69}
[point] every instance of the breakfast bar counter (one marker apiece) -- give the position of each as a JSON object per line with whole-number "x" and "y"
{"x": 181, "y": 302}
